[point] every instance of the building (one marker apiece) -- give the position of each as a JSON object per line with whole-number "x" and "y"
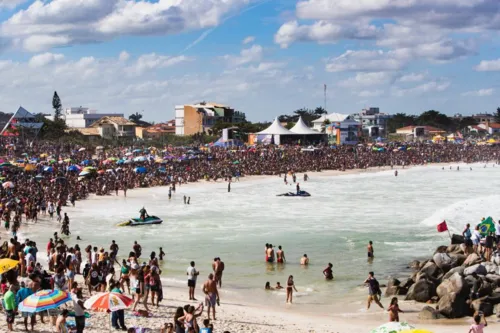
{"x": 490, "y": 128}
{"x": 22, "y": 123}
{"x": 373, "y": 123}
{"x": 480, "y": 117}
{"x": 419, "y": 131}
{"x": 155, "y": 132}
{"x": 341, "y": 128}
{"x": 198, "y": 118}
{"x": 114, "y": 127}
{"x": 80, "y": 117}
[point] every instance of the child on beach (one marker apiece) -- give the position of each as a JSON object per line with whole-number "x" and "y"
{"x": 394, "y": 310}
{"x": 477, "y": 327}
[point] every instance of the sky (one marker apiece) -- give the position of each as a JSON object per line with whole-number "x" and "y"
{"x": 262, "y": 57}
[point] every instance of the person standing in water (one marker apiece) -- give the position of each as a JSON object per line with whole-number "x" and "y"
{"x": 290, "y": 287}
{"x": 280, "y": 255}
{"x": 370, "y": 249}
{"x": 328, "y": 272}
{"x": 229, "y": 187}
{"x": 270, "y": 253}
{"x": 298, "y": 188}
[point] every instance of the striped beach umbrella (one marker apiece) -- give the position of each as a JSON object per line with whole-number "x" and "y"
{"x": 392, "y": 327}
{"x": 44, "y": 300}
{"x": 108, "y": 301}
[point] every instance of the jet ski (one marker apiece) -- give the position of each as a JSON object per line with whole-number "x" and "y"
{"x": 138, "y": 221}
{"x": 295, "y": 194}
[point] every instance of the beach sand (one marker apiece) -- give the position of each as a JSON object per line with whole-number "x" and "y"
{"x": 240, "y": 315}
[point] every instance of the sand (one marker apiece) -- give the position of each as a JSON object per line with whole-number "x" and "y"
{"x": 235, "y": 315}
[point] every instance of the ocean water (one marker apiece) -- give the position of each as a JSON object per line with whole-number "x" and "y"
{"x": 399, "y": 214}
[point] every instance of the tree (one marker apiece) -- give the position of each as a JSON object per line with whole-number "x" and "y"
{"x": 135, "y": 117}
{"x": 320, "y": 111}
{"x": 400, "y": 120}
{"x": 436, "y": 119}
{"x": 57, "y": 106}
{"x": 324, "y": 125}
{"x": 497, "y": 115}
{"x": 51, "y": 130}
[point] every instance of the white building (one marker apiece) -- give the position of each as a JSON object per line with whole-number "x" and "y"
{"x": 79, "y": 117}
{"x": 341, "y": 128}
{"x": 374, "y": 123}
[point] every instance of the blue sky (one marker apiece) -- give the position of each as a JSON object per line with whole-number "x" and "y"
{"x": 264, "y": 58}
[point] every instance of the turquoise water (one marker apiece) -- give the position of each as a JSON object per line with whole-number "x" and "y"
{"x": 399, "y": 214}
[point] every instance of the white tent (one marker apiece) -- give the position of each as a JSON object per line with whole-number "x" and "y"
{"x": 276, "y": 129}
{"x": 302, "y": 129}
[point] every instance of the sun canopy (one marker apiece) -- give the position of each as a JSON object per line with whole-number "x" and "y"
{"x": 301, "y": 128}
{"x": 276, "y": 129}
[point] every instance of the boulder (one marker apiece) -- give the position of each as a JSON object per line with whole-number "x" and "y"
{"x": 429, "y": 313}
{"x": 472, "y": 259}
{"x": 459, "y": 270}
{"x": 430, "y": 269}
{"x": 443, "y": 261}
{"x": 453, "y": 306}
{"x": 415, "y": 264}
{"x": 491, "y": 268}
{"x": 422, "y": 264}
{"x": 493, "y": 298}
{"x": 458, "y": 258}
{"x": 392, "y": 287}
{"x": 483, "y": 306}
{"x": 477, "y": 268}
{"x": 493, "y": 279}
{"x": 441, "y": 249}
{"x": 454, "y": 249}
{"x": 421, "y": 291}
{"x": 486, "y": 289}
{"x": 497, "y": 310}
{"x": 496, "y": 258}
{"x": 455, "y": 284}
{"x": 457, "y": 239}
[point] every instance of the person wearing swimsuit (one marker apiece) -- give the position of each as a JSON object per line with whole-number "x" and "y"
{"x": 280, "y": 255}
{"x": 290, "y": 287}
{"x": 370, "y": 249}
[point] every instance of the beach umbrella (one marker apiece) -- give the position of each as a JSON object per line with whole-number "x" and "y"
{"x": 5, "y": 164}
{"x": 137, "y": 151}
{"x": 236, "y": 162}
{"x": 99, "y": 147}
{"x": 392, "y": 327}
{"x": 8, "y": 185}
{"x": 48, "y": 169}
{"x": 30, "y": 167}
{"x": 52, "y": 161}
{"x": 38, "y": 177}
{"x": 73, "y": 168}
{"x": 127, "y": 161}
{"x": 68, "y": 160}
{"x": 140, "y": 170}
{"x": 84, "y": 173}
{"x": 44, "y": 300}
{"x": 120, "y": 162}
{"x": 140, "y": 159}
{"x": 101, "y": 172}
{"x": 81, "y": 149}
{"x": 24, "y": 154}
{"x": 108, "y": 301}
{"x": 128, "y": 154}
{"x": 7, "y": 264}
{"x": 113, "y": 159}
{"x": 44, "y": 155}
{"x": 89, "y": 169}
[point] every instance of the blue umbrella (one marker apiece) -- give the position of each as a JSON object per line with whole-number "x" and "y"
{"x": 73, "y": 168}
{"x": 137, "y": 151}
{"x": 140, "y": 170}
{"x": 85, "y": 162}
{"x": 120, "y": 162}
{"x": 48, "y": 169}
{"x": 162, "y": 170}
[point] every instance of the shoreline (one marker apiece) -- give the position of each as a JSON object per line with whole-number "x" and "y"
{"x": 297, "y": 316}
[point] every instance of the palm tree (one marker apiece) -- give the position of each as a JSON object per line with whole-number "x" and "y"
{"x": 135, "y": 117}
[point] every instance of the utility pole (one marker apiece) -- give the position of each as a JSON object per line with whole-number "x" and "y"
{"x": 325, "y": 95}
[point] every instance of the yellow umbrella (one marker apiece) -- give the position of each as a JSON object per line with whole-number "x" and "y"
{"x": 491, "y": 141}
{"x": 30, "y": 167}
{"x": 7, "y": 264}
{"x": 416, "y": 331}
{"x": 44, "y": 155}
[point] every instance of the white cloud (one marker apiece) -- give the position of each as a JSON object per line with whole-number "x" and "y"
{"x": 488, "y": 66}
{"x": 248, "y": 40}
{"x": 155, "y": 61}
{"x": 370, "y": 93}
{"x": 368, "y": 61}
{"x": 412, "y": 77}
{"x": 124, "y": 56}
{"x": 429, "y": 87}
{"x": 66, "y": 22}
{"x": 479, "y": 93}
{"x": 45, "y": 59}
{"x": 367, "y": 79}
{"x": 252, "y": 54}
{"x": 10, "y": 4}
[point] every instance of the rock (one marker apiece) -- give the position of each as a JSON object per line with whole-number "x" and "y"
{"x": 430, "y": 269}
{"x": 455, "y": 284}
{"x": 392, "y": 287}
{"x": 457, "y": 239}
{"x": 415, "y": 264}
{"x": 429, "y": 313}
{"x": 453, "y": 306}
{"x": 482, "y": 305}
{"x": 441, "y": 249}
{"x": 422, "y": 264}
{"x": 477, "y": 268}
{"x": 443, "y": 261}
{"x": 458, "y": 258}
{"x": 459, "y": 270}
{"x": 493, "y": 279}
{"x": 493, "y": 299}
{"x": 496, "y": 258}
{"x": 491, "y": 268}
{"x": 421, "y": 291}
{"x": 454, "y": 249}
{"x": 486, "y": 289}
{"x": 497, "y": 310}
{"x": 472, "y": 259}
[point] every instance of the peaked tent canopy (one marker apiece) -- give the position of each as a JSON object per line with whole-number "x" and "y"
{"x": 276, "y": 129}
{"x": 22, "y": 119}
{"x": 301, "y": 128}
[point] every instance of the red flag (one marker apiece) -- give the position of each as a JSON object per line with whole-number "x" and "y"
{"x": 441, "y": 227}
